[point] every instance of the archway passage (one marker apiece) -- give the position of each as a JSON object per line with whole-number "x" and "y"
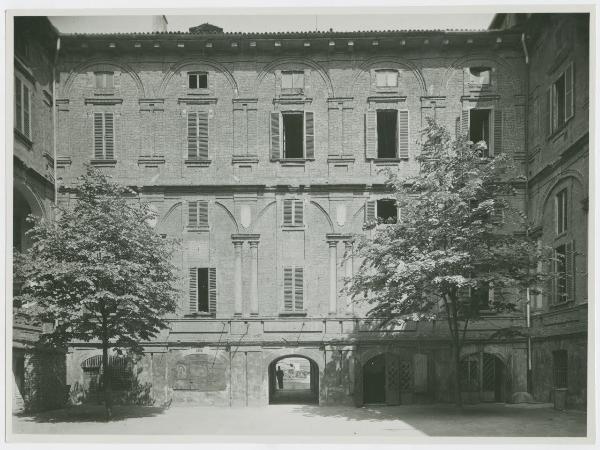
{"x": 374, "y": 380}
{"x": 482, "y": 377}
{"x": 293, "y": 380}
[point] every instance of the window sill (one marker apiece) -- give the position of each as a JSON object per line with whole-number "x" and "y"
{"x": 197, "y": 162}
{"x": 292, "y": 91}
{"x": 201, "y": 315}
{"x": 293, "y": 161}
{"x": 293, "y": 314}
{"x": 23, "y": 139}
{"x": 293, "y": 227}
{"x": 560, "y": 131}
{"x": 340, "y": 159}
{"x": 386, "y": 89}
{"x": 104, "y": 91}
{"x": 199, "y": 229}
{"x": 565, "y": 304}
{"x": 199, "y": 91}
{"x": 244, "y": 160}
{"x": 103, "y": 162}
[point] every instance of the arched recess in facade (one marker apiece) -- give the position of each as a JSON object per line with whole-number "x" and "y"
{"x": 25, "y": 202}
{"x": 457, "y": 66}
{"x": 81, "y": 70}
{"x": 315, "y": 376}
{"x": 287, "y": 62}
{"x": 484, "y": 376}
{"x": 388, "y": 62}
{"x": 548, "y": 191}
{"x": 199, "y": 64}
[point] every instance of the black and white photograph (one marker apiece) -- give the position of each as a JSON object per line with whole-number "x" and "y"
{"x": 323, "y": 225}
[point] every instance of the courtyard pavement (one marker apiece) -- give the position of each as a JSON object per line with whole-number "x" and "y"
{"x": 312, "y": 420}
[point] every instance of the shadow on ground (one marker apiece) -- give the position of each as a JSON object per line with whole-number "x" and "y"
{"x": 91, "y": 413}
{"x": 495, "y": 419}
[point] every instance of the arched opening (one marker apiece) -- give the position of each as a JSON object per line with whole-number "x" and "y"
{"x": 482, "y": 377}
{"x": 374, "y": 380}
{"x": 293, "y": 380}
{"x": 121, "y": 376}
{"x": 21, "y": 209}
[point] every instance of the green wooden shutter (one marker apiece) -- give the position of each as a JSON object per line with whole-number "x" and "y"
{"x": 298, "y": 212}
{"x": 26, "y": 112}
{"x": 570, "y": 270}
{"x": 18, "y": 105}
{"x": 193, "y": 306}
{"x": 371, "y": 134}
{"x": 98, "y": 136}
{"x": 192, "y": 214}
{"x": 288, "y": 289}
{"x": 192, "y": 135}
{"x": 370, "y": 206}
{"x": 569, "y": 92}
{"x": 288, "y": 206}
{"x": 403, "y": 133}
{"x": 497, "y": 133}
{"x": 298, "y": 288}
{"x": 109, "y": 136}
{"x": 202, "y": 213}
{"x": 203, "y": 135}
{"x": 309, "y": 135}
{"x": 275, "y": 144}
{"x": 212, "y": 290}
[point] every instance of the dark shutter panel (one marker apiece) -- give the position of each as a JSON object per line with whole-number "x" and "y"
{"x": 26, "y": 112}
{"x": 570, "y": 270}
{"x": 98, "y": 136}
{"x": 464, "y": 123}
{"x": 298, "y": 212}
{"x": 371, "y": 134}
{"x": 202, "y": 213}
{"x": 403, "y": 133}
{"x": 275, "y": 152}
{"x": 203, "y": 135}
{"x": 192, "y": 135}
{"x": 193, "y": 290}
{"x": 192, "y": 214}
{"x": 548, "y": 112}
{"x": 109, "y": 136}
{"x": 298, "y": 288}
{"x": 288, "y": 289}
{"x": 497, "y": 132}
{"x": 288, "y": 217}
{"x": 212, "y": 290}
{"x": 309, "y": 136}
{"x": 18, "y": 105}
{"x": 554, "y": 110}
{"x": 370, "y": 210}
{"x": 569, "y": 92}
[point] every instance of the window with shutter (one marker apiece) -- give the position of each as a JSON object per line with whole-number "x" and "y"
{"x": 497, "y": 148}
{"x": 293, "y": 212}
{"x": 371, "y": 134}
{"x": 387, "y": 133}
{"x": 293, "y": 135}
{"x": 22, "y": 108}
{"x": 561, "y": 99}
{"x": 561, "y": 211}
{"x": 309, "y": 135}
{"x": 370, "y": 207}
{"x": 479, "y": 127}
{"x": 275, "y": 147}
{"x": 197, "y": 135}
{"x": 198, "y": 214}
{"x": 403, "y": 134}
{"x": 104, "y": 147}
{"x": 203, "y": 290}
{"x": 293, "y": 289}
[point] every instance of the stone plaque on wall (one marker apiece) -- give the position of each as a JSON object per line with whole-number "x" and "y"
{"x": 198, "y": 372}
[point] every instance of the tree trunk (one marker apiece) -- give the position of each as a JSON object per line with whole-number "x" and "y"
{"x": 106, "y": 381}
{"x": 456, "y": 352}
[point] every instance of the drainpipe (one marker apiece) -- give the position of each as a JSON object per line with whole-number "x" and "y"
{"x": 526, "y": 54}
{"x": 54, "y": 120}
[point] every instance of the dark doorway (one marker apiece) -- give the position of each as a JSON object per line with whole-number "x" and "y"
{"x": 374, "y": 380}
{"x": 293, "y": 380}
{"x": 293, "y": 135}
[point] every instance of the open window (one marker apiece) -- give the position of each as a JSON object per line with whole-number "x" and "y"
{"x": 479, "y": 127}
{"x": 387, "y": 211}
{"x": 292, "y": 81}
{"x": 203, "y": 290}
{"x": 197, "y": 80}
{"x": 387, "y": 133}
{"x": 480, "y": 75}
{"x": 292, "y": 135}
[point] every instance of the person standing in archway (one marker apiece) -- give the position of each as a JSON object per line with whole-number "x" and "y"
{"x": 279, "y": 377}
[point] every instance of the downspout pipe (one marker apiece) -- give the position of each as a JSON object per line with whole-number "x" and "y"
{"x": 54, "y": 122}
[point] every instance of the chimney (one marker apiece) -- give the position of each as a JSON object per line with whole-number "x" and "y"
{"x": 159, "y": 24}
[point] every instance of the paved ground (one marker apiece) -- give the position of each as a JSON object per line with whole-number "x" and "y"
{"x": 381, "y": 421}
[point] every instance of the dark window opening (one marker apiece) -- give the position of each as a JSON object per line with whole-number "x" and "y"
{"x": 561, "y": 211}
{"x": 293, "y": 135}
{"x": 198, "y": 80}
{"x": 559, "y": 90}
{"x": 387, "y": 133}
{"x": 561, "y": 273}
{"x": 480, "y": 298}
{"x": 387, "y": 212}
{"x": 480, "y": 75}
{"x": 560, "y": 365}
{"x": 203, "y": 290}
{"x": 479, "y": 126}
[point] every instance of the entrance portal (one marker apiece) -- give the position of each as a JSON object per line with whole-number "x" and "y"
{"x": 374, "y": 380}
{"x": 293, "y": 380}
{"x": 482, "y": 378}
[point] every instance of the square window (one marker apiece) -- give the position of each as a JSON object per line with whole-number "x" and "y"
{"x": 480, "y": 75}
{"x": 292, "y": 80}
{"x": 387, "y": 133}
{"x": 387, "y": 211}
{"x": 386, "y": 78}
{"x": 198, "y": 80}
{"x": 293, "y": 135}
{"x": 104, "y": 80}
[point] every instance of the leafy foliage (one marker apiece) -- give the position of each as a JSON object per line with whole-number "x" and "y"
{"x": 99, "y": 270}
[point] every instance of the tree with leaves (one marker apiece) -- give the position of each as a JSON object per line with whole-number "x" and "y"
{"x": 99, "y": 271}
{"x": 459, "y": 237}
